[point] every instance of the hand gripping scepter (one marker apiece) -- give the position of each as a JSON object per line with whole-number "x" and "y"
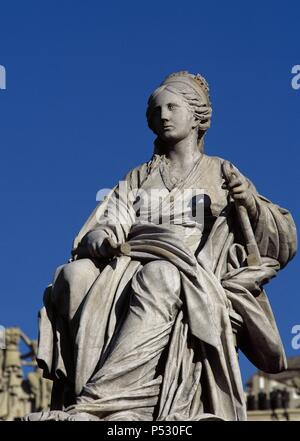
{"x": 253, "y": 254}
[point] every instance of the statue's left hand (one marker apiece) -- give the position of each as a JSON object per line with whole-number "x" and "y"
{"x": 239, "y": 188}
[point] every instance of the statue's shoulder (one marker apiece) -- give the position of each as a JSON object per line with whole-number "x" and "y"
{"x": 136, "y": 176}
{"x": 140, "y": 173}
{"x": 214, "y": 163}
{"x": 215, "y": 160}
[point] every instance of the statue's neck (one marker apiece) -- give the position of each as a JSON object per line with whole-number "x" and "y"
{"x": 184, "y": 153}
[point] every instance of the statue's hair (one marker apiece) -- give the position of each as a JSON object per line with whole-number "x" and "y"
{"x": 195, "y": 92}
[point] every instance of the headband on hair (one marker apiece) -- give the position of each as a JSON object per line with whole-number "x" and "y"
{"x": 195, "y": 82}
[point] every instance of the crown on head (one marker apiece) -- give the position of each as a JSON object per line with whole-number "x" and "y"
{"x": 195, "y": 81}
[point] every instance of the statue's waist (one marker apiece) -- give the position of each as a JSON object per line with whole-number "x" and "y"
{"x": 189, "y": 233}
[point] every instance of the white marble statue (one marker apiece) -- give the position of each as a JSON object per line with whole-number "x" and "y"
{"x": 146, "y": 321}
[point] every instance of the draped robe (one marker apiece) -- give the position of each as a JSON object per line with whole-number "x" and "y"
{"x": 200, "y": 376}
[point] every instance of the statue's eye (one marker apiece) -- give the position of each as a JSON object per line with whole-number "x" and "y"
{"x": 171, "y": 106}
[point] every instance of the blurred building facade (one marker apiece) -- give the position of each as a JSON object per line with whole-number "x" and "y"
{"x": 275, "y": 396}
{"x": 20, "y": 393}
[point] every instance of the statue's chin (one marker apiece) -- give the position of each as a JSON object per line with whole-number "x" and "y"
{"x": 169, "y": 138}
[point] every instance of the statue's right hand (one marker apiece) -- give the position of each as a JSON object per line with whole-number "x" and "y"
{"x": 97, "y": 244}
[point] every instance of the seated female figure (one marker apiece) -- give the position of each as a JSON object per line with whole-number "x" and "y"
{"x": 138, "y": 326}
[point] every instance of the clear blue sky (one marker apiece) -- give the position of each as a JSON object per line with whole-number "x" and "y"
{"x": 72, "y": 119}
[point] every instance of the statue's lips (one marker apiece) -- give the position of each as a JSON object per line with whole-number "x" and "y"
{"x": 168, "y": 127}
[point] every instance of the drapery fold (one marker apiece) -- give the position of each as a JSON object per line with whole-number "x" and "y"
{"x": 201, "y": 378}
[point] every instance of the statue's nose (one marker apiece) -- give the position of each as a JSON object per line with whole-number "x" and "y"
{"x": 165, "y": 114}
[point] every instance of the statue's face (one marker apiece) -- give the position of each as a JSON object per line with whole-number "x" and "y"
{"x": 171, "y": 119}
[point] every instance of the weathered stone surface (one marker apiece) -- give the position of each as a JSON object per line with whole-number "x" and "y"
{"x": 166, "y": 280}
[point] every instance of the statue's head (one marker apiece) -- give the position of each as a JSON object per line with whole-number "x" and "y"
{"x": 180, "y": 105}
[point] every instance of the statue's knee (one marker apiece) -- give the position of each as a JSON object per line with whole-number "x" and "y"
{"x": 163, "y": 273}
{"x": 79, "y": 272}
{"x": 73, "y": 280}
